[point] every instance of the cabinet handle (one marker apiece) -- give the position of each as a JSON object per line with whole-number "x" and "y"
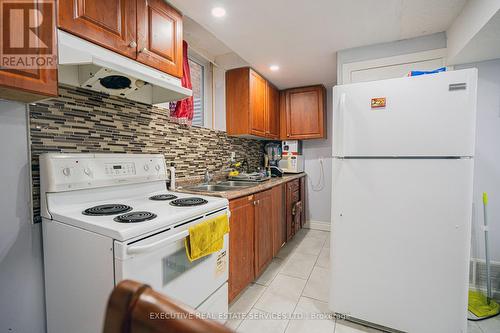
{"x": 143, "y": 50}
{"x": 132, "y": 44}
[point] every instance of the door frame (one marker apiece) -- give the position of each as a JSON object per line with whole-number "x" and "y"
{"x": 349, "y": 68}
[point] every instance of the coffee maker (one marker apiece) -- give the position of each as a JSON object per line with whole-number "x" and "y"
{"x": 273, "y": 154}
{"x": 292, "y": 160}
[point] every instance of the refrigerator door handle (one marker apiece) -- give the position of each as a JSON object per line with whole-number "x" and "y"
{"x": 342, "y": 128}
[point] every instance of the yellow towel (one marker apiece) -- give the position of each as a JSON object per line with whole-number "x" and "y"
{"x": 206, "y": 237}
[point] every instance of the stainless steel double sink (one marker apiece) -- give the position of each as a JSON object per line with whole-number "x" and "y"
{"x": 221, "y": 186}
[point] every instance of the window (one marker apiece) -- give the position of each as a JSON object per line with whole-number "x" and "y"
{"x": 198, "y": 83}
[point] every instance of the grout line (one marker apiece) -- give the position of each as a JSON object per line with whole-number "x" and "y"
{"x": 302, "y": 292}
{"x": 296, "y": 277}
{"x": 282, "y": 264}
{"x": 253, "y": 305}
{"x": 279, "y": 270}
{"x": 314, "y": 299}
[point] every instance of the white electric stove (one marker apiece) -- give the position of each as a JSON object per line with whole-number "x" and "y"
{"x": 110, "y": 217}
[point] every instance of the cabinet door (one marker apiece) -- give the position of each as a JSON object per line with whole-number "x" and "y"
{"x": 278, "y": 218}
{"x": 109, "y": 23}
{"x": 263, "y": 230}
{"x": 257, "y": 104}
{"x": 29, "y": 85}
{"x": 241, "y": 243}
{"x": 272, "y": 112}
{"x": 305, "y": 113}
{"x": 303, "y": 200}
{"x": 292, "y": 197}
{"x": 159, "y": 36}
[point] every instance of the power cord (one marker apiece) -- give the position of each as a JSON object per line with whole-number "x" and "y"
{"x": 321, "y": 181}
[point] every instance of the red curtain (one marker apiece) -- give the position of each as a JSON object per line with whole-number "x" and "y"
{"x": 183, "y": 110}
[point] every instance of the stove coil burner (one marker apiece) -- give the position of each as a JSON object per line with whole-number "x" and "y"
{"x": 108, "y": 209}
{"x": 134, "y": 217}
{"x": 163, "y": 197}
{"x": 186, "y": 202}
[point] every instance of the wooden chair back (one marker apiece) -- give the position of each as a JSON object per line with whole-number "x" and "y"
{"x": 136, "y": 308}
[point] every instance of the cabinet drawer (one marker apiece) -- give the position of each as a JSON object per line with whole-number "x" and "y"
{"x": 293, "y": 185}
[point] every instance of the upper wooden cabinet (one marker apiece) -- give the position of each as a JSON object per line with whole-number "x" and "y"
{"x": 110, "y": 23}
{"x": 159, "y": 36}
{"x": 273, "y": 112}
{"x": 303, "y": 113}
{"x": 252, "y": 105}
{"x": 31, "y": 84}
{"x": 28, "y": 85}
{"x": 149, "y": 31}
{"x": 258, "y": 90}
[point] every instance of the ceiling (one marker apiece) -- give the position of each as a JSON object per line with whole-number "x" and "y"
{"x": 302, "y": 37}
{"x": 484, "y": 45}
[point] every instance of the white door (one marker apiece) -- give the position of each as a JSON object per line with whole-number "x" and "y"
{"x": 400, "y": 242}
{"x": 393, "y": 70}
{"x": 430, "y": 115}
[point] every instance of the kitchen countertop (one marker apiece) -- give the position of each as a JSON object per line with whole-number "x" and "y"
{"x": 233, "y": 194}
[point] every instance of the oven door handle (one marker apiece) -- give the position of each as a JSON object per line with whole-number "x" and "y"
{"x": 139, "y": 249}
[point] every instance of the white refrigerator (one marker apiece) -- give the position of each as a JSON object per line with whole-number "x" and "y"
{"x": 402, "y": 201}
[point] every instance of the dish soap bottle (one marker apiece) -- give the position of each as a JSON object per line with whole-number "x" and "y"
{"x": 172, "y": 176}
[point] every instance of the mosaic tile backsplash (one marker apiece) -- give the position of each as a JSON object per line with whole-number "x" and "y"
{"x": 85, "y": 121}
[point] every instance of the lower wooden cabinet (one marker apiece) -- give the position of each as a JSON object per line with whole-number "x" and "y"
{"x": 241, "y": 245}
{"x": 263, "y": 230}
{"x": 278, "y": 218}
{"x": 303, "y": 201}
{"x": 259, "y": 226}
{"x": 293, "y": 208}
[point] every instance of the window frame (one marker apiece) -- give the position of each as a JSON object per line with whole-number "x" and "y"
{"x": 206, "y": 89}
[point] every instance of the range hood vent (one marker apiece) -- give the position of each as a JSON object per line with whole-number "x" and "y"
{"x": 87, "y": 65}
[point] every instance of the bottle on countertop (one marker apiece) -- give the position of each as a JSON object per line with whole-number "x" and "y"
{"x": 172, "y": 176}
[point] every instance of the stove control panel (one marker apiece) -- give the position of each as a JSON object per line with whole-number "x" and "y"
{"x": 120, "y": 169}
{"x": 62, "y": 172}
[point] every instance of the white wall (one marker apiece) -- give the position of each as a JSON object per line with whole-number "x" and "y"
{"x": 475, "y": 15}
{"x": 21, "y": 269}
{"x": 220, "y": 99}
{"x": 319, "y": 188}
{"x": 223, "y": 62}
{"x": 384, "y": 50}
{"x": 487, "y": 159}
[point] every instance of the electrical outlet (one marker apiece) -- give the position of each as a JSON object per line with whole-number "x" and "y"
{"x": 233, "y": 156}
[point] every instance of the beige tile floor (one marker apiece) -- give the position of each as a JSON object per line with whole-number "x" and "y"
{"x": 296, "y": 284}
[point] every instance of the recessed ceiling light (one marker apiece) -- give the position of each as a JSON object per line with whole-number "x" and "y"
{"x": 274, "y": 68}
{"x": 218, "y": 12}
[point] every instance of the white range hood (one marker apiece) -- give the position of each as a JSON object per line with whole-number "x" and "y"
{"x": 87, "y": 65}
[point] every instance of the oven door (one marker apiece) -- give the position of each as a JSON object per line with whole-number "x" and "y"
{"x": 161, "y": 262}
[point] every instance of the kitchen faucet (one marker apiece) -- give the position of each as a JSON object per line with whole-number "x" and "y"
{"x": 245, "y": 165}
{"x": 208, "y": 177}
